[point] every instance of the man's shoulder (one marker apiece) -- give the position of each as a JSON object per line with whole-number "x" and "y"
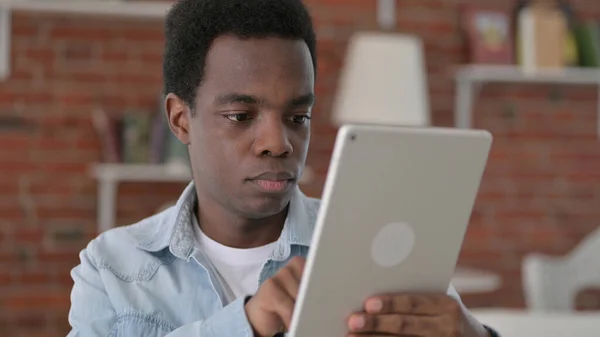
{"x": 121, "y": 250}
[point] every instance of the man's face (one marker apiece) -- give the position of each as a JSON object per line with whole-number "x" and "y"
{"x": 250, "y": 133}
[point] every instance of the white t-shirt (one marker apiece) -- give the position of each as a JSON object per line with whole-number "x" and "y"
{"x": 239, "y": 269}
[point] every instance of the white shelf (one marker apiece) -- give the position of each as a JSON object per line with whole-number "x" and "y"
{"x": 481, "y": 73}
{"x": 142, "y": 9}
{"x": 141, "y": 172}
{"x": 468, "y": 78}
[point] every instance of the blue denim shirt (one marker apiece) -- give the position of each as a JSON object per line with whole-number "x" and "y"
{"x": 151, "y": 279}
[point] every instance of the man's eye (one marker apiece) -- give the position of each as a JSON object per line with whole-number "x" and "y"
{"x": 241, "y": 117}
{"x": 299, "y": 119}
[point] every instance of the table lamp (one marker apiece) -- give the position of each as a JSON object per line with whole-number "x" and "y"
{"x": 383, "y": 81}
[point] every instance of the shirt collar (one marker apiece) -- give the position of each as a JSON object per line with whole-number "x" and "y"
{"x": 175, "y": 229}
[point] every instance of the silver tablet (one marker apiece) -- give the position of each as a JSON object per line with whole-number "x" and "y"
{"x": 394, "y": 212}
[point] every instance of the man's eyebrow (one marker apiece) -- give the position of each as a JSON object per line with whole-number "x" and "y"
{"x": 308, "y": 99}
{"x": 237, "y": 98}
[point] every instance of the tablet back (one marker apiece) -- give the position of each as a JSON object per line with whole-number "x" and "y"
{"x": 395, "y": 208}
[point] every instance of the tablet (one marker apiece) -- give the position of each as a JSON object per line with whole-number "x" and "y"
{"x": 394, "y": 212}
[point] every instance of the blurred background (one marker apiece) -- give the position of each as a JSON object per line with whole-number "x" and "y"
{"x": 83, "y": 148}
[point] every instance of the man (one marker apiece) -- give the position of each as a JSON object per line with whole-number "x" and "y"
{"x": 227, "y": 259}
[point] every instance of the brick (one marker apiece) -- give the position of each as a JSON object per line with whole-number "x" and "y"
{"x": 25, "y": 29}
{"x": 135, "y": 189}
{"x": 54, "y": 190}
{"x": 63, "y": 236}
{"x": 43, "y": 54}
{"x": 16, "y": 141}
{"x": 142, "y": 34}
{"x": 65, "y": 259}
{"x": 50, "y": 333}
{"x": 78, "y": 52}
{"x": 150, "y": 57}
{"x": 59, "y": 32}
{"x": 61, "y": 325}
{"x": 33, "y": 278}
{"x": 76, "y": 168}
{"x": 114, "y": 55}
{"x": 480, "y": 257}
{"x": 79, "y": 77}
{"x": 65, "y": 213}
{"x": 587, "y": 300}
{"x": 365, "y": 5}
{"x": 35, "y": 97}
{"x": 21, "y": 76}
{"x": 16, "y": 257}
{"x": 6, "y": 97}
{"x": 17, "y": 167}
{"x": 33, "y": 300}
{"x": 147, "y": 79}
{"x": 64, "y": 280}
{"x": 5, "y": 280}
{"x": 75, "y": 99}
{"x": 31, "y": 321}
{"x": 440, "y": 19}
{"x": 32, "y": 235}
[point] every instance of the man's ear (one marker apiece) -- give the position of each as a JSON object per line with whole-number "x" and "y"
{"x": 178, "y": 116}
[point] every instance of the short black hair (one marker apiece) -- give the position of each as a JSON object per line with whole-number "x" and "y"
{"x": 192, "y": 25}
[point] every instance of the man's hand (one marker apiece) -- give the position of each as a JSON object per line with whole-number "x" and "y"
{"x": 411, "y": 315}
{"x": 270, "y": 310}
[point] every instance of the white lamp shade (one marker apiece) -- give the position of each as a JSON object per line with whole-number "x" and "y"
{"x": 383, "y": 81}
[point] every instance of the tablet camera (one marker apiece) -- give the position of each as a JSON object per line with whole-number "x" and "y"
{"x": 392, "y": 244}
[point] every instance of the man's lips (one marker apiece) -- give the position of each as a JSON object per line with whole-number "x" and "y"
{"x": 274, "y": 176}
{"x": 274, "y": 181}
{"x": 273, "y": 185}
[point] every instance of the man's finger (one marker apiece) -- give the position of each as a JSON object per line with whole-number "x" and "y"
{"x": 288, "y": 280}
{"x": 394, "y": 324}
{"x": 297, "y": 266}
{"x": 283, "y": 303}
{"x": 410, "y": 304}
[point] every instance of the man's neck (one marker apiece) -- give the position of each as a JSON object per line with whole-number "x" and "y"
{"x": 233, "y": 230}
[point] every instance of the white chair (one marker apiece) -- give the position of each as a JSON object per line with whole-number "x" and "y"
{"x": 552, "y": 283}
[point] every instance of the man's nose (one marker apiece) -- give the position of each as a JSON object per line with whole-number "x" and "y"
{"x": 272, "y": 139}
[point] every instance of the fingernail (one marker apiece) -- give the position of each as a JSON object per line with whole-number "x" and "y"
{"x": 357, "y": 322}
{"x": 374, "y": 305}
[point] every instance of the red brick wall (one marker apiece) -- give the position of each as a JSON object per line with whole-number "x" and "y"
{"x": 538, "y": 193}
